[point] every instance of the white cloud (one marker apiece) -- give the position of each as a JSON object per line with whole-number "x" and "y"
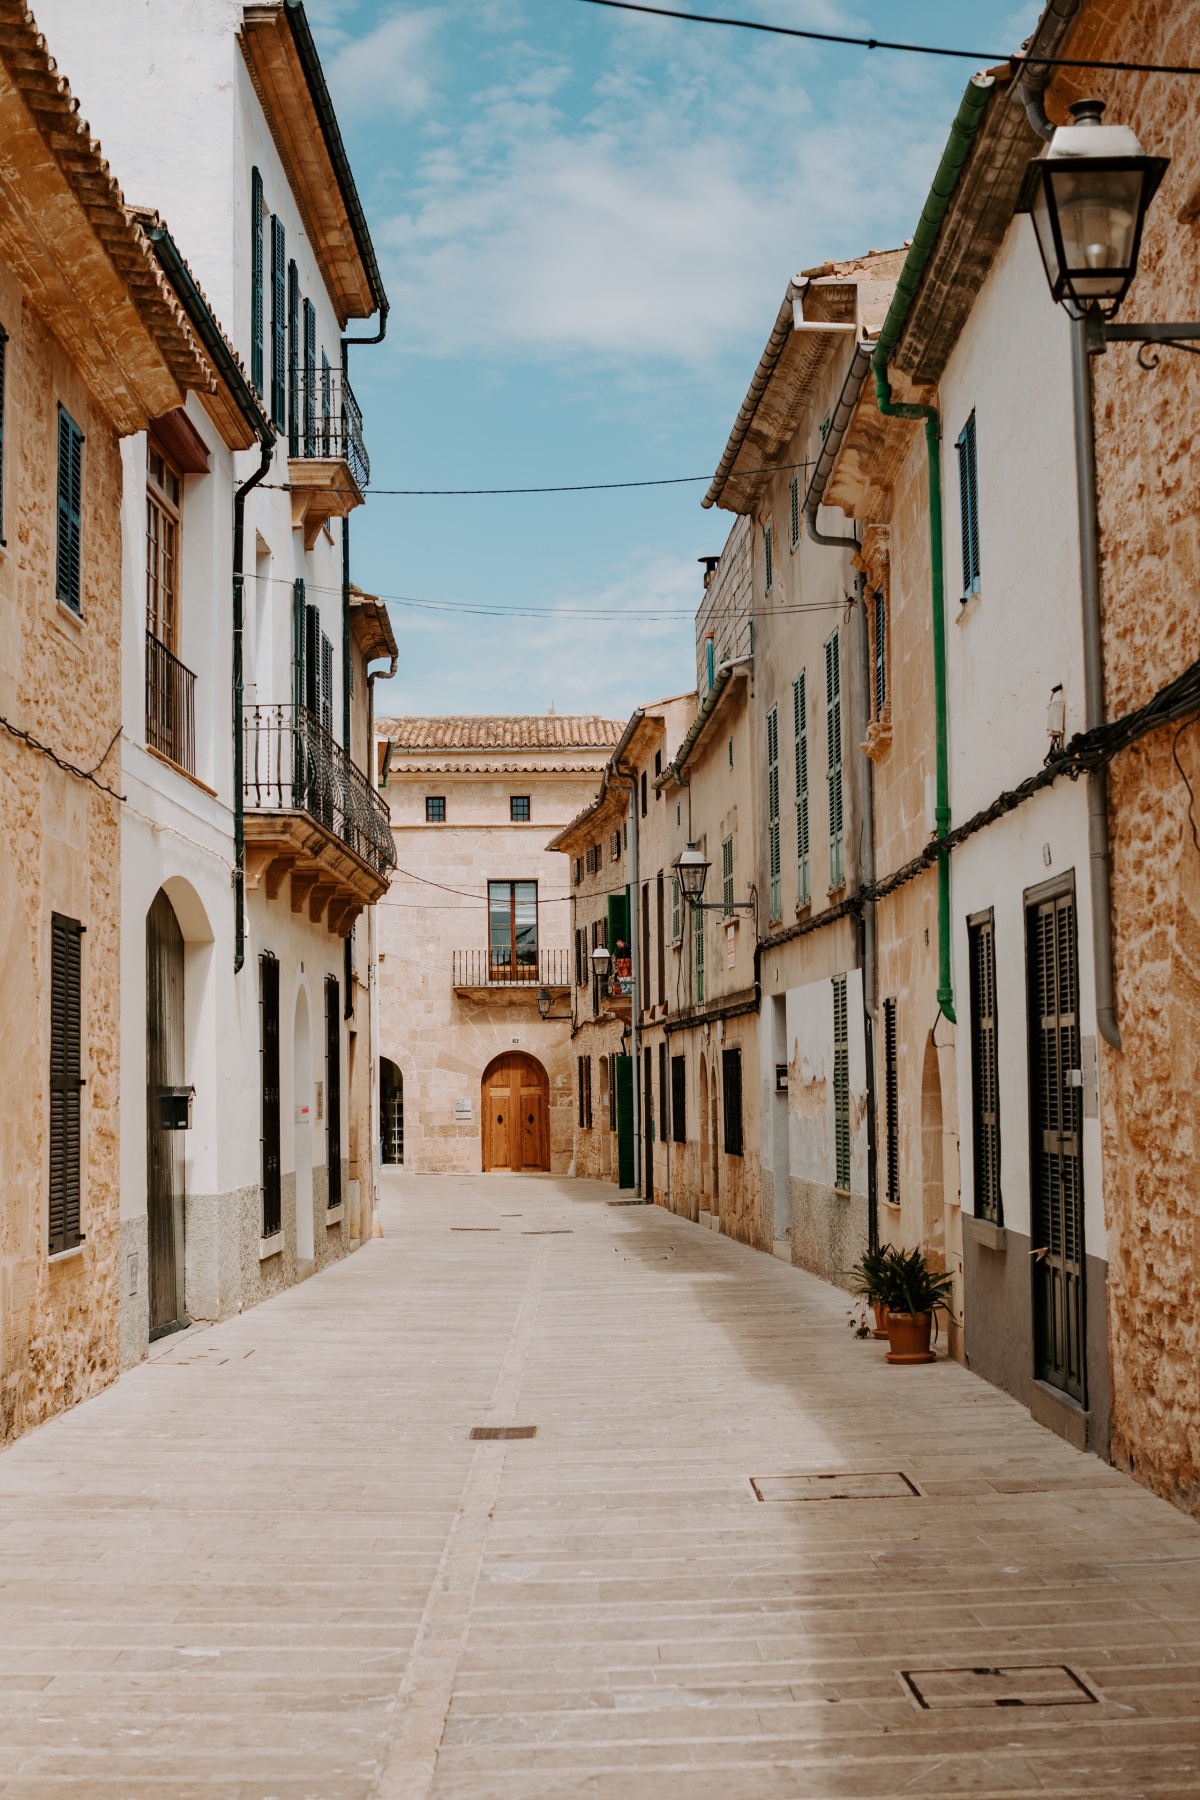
{"x": 389, "y": 69}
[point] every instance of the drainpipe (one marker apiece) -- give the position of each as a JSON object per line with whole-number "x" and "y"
{"x": 1099, "y": 862}
{"x": 1029, "y": 89}
{"x": 966, "y": 123}
{"x": 239, "y": 803}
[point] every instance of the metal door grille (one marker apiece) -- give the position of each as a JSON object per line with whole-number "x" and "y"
{"x": 1056, "y": 1118}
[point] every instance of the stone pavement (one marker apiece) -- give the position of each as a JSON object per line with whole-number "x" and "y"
{"x": 271, "y": 1565}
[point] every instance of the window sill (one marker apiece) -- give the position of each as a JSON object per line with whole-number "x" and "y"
{"x": 333, "y": 1216}
{"x": 985, "y": 1232}
{"x": 71, "y": 624}
{"x": 270, "y": 1246}
{"x": 180, "y": 770}
{"x": 62, "y": 1256}
{"x": 968, "y": 607}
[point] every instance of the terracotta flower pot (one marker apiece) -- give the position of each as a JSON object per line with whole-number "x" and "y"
{"x": 881, "y": 1317}
{"x": 908, "y": 1337}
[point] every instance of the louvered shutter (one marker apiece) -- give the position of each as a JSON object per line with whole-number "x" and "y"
{"x": 769, "y": 556}
{"x": 800, "y": 722}
{"x": 66, "y": 1082}
{"x": 880, "y": 654}
{"x": 985, "y": 1084}
{"x": 278, "y": 324}
{"x": 333, "y": 1090}
{"x": 70, "y": 511}
{"x": 679, "y": 1099}
{"x": 773, "y": 810}
{"x": 891, "y": 1089}
{"x": 841, "y": 1083}
{"x": 268, "y": 992}
{"x": 968, "y": 507}
{"x": 293, "y": 359}
{"x": 310, "y": 379}
{"x": 326, "y": 684}
{"x": 795, "y": 505}
{"x": 731, "y": 1085}
{"x": 833, "y": 728}
{"x": 256, "y": 280}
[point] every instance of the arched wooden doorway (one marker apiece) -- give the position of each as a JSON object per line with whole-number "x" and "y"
{"x": 516, "y": 1113}
{"x": 391, "y": 1111}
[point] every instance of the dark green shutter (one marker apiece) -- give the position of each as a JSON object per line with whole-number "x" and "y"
{"x": 731, "y": 1093}
{"x": 985, "y": 1075}
{"x": 310, "y": 379}
{"x": 968, "y": 507}
{"x": 679, "y": 1099}
{"x": 66, "y": 1031}
{"x": 624, "y": 1089}
{"x": 278, "y": 324}
{"x": 268, "y": 991}
{"x": 333, "y": 1090}
{"x": 70, "y": 510}
{"x": 256, "y": 280}
{"x": 800, "y": 722}
{"x": 833, "y": 728}
{"x": 293, "y": 359}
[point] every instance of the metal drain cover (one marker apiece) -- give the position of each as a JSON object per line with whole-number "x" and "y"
{"x": 503, "y": 1431}
{"x": 1040, "y": 1684}
{"x": 887, "y": 1484}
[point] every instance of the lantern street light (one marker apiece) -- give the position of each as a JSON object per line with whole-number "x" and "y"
{"x": 544, "y": 1002}
{"x": 601, "y": 957}
{"x": 1088, "y": 193}
{"x": 691, "y": 868}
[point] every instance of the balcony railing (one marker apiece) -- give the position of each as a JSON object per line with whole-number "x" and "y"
{"x": 325, "y": 421}
{"x": 170, "y": 706}
{"x": 496, "y": 969}
{"x": 292, "y": 763}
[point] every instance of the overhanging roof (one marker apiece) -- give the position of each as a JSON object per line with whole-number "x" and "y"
{"x": 286, "y": 71}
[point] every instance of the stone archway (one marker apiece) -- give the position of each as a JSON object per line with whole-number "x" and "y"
{"x": 391, "y": 1112}
{"x": 515, "y": 1113}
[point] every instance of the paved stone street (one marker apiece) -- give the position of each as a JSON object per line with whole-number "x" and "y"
{"x": 271, "y": 1563}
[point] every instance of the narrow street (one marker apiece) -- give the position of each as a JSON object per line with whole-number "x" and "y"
{"x": 270, "y": 1563}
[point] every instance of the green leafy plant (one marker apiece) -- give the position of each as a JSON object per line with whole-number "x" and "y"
{"x": 911, "y": 1286}
{"x": 871, "y": 1274}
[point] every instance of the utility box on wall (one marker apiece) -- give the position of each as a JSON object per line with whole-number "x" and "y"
{"x": 175, "y": 1108}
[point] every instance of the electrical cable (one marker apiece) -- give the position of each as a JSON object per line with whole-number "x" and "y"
{"x": 68, "y": 767}
{"x": 575, "y": 487}
{"x": 1015, "y": 59}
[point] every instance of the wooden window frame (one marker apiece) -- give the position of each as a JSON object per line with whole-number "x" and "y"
{"x": 515, "y": 803}
{"x": 432, "y": 802}
{"x": 794, "y": 506}
{"x": 513, "y": 963}
{"x": 879, "y": 627}
{"x": 664, "y": 1093}
{"x": 775, "y": 863}
{"x": 164, "y": 519}
{"x": 769, "y": 558}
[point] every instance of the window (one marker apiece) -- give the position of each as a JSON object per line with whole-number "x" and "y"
{"x": 664, "y": 1095}
{"x": 268, "y": 1011}
{"x": 800, "y": 720}
{"x": 645, "y": 793}
{"x": 615, "y": 851}
{"x": 518, "y": 809}
{"x": 794, "y": 497}
{"x": 731, "y": 1085}
{"x": 661, "y": 938}
{"x": 256, "y": 280}
{"x": 593, "y": 859}
{"x": 699, "y": 930}
{"x": 512, "y": 929}
{"x": 676, "y": 922}
{"x": 310, "y": 379}
{"x": 293, "y": 359}
{"x": 679, "y": 1099}
{"x": 66, "y": 1081}
{"x": 585, "y": 1093}
{"x": 326, "y": 406}
{"x": 727, "y": 875}
{"x": 769, "y": 556}
{"x": 326, "y": 685}
{"x": 985, "y": 1078}
{"x": 333, "y": 1090}
{"x": 841, "y": 1083}
{"x": 773, "y": 811}
{"x": 278, "y": 324}
{"x": 891, "y": 1099}
{"x": 657, "y": 753}
{"x": 577, "y": 871}
{"x": 880, "y": 653}
{"x": 70, "y": 511}
{"x": 435, "y": 809}
{"x": 968, "y": 508}
{"x": 833, "y": 730}
{"x": 644, "y": 949}
{"x": 163, "y": 489}
{"x": 579, "y": 974}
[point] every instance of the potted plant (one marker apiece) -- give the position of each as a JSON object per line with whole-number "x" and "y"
{"x": 869, "y": 1280}
{"x": 912, "y": 1293}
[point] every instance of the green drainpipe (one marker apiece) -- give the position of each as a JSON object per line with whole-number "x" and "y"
{"x": 966, "y": 123}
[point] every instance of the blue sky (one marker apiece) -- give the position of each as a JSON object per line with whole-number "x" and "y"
{"x": 586, "y": 222}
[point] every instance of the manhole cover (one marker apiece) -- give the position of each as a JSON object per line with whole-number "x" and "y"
{"x": 888, "y": 1484}
{"x": 503, "y": 1431}
{"x": 1042, "y": 1684}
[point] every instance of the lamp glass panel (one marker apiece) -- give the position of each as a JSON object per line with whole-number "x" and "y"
{"x": 1098, "y": 212}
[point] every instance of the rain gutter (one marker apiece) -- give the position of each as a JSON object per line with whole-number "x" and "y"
{"x": 967, "y": 121}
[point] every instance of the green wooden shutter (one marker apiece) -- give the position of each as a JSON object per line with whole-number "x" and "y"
{"x": 293, "y": 359}
{"x": 800, "y": 723}
{"x": 841, "y": 1082}
{"x": 699, "y": 917}
{"x": 278, "y": 324}
{"x": 794, "y": 495}
{"x": 769, "y": 556}
{"x": 968, "y": 507}
{"x": 66, "y": 1082}
{"x": 773, "y": 810}
{"x": 269, "y": 1135}
{"x": 256, "y": 280}
{"x": 731, "y": 1094}
{"x": 985, "y": 1075}
{"x": 310, "y": 379}
{"x": 623, "y": 1083}
{"x": 880, "y": 653}
{"x": 891, "y": 1089}
{"x": 727, "y": 875}
{"x": 833, "y": 731}
{"x": 333, "y": 1090}
{"x": 70, "y": 511}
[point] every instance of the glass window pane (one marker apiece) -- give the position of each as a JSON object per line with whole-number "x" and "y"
{"x": 500, "y": 923}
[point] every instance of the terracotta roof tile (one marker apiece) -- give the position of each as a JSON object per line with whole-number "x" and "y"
{"x": 504, "y": 731}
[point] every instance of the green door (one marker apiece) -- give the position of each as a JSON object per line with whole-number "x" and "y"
{"x": 624, "y": 1068}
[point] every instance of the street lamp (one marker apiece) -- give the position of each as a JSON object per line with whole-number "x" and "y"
{"x": 691, "y": 866}
{"x": 1087, "y": 193}
{"x": 544, "y": 1002}
{"x": 601, "y": 957}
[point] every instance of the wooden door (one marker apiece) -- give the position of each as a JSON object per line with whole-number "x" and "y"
{"x": 516, "y": 1114}
{"x": 164, "y": 1149}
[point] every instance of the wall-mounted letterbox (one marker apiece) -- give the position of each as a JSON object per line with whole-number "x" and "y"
{"x": 175, "y": 1108}
{"x": 781, "y": 1078}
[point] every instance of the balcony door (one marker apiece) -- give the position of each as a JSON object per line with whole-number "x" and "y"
{"x": 516, "y": 1113}
{"x": 512, "y": 931}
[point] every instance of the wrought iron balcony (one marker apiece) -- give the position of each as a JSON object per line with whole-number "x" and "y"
{"x": 170, "y": 706}
{"x": 496, "y": 969}
{"x": 325, "y": 421}
{"x": 292, "y": 764}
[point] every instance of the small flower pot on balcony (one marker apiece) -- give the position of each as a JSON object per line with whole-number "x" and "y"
{"x": 908, "y": 1337}
{"x": 881, "y": 1318}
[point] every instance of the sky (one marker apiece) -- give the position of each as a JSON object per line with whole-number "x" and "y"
{"x": 586, "y": 222}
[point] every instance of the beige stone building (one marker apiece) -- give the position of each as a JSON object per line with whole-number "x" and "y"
{"x": 475, "y": 957}
{"x": 92, "y": 347}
